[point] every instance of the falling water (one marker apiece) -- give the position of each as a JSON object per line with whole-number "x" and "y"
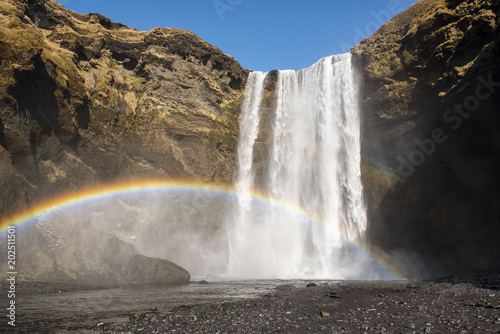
{"x": 313, "y": 166}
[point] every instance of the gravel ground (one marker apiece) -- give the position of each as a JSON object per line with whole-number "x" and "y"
{"x": 443, "y": 306}
{"x": 446, "y": 306}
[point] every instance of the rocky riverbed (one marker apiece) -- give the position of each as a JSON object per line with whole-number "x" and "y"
{"x": 451, "y": 305}
{"x": 445, "y": 306}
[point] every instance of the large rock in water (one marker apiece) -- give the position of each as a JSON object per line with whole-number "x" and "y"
{"x": 430, "y": 97}
{"x": 64, "y": 249}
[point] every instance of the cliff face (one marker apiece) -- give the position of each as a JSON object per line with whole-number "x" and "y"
{"x": 85, "y": 100}
{"x": 430, "y": 97}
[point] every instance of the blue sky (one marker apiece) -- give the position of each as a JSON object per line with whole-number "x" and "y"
{"x": 261, "y": 34}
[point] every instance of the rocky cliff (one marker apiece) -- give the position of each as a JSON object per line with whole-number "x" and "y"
{"x": 430, "y": 97}
{"x": 86, "y": 100}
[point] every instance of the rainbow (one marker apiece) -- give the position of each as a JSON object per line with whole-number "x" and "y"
{"x": 132, "y": 187}
{"x": 109, "y": 191}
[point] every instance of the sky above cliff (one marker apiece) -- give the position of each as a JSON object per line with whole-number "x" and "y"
{"x": 261, "y": 34}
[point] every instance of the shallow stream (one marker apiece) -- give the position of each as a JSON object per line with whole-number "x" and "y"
{"x": 80, "y": 311}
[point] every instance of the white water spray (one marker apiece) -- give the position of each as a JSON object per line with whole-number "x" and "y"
{"x": 313, "y": 164}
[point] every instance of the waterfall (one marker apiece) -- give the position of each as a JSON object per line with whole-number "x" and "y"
{"x": 249, "y": 129}
{"x": 312, "y": 176}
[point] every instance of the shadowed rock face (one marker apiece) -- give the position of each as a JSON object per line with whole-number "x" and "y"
{"x": 430, "y": 97}
{"x": 85, "y": 100}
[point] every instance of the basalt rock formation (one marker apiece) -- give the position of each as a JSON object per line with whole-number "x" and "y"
{"x": 430, "y": 97}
